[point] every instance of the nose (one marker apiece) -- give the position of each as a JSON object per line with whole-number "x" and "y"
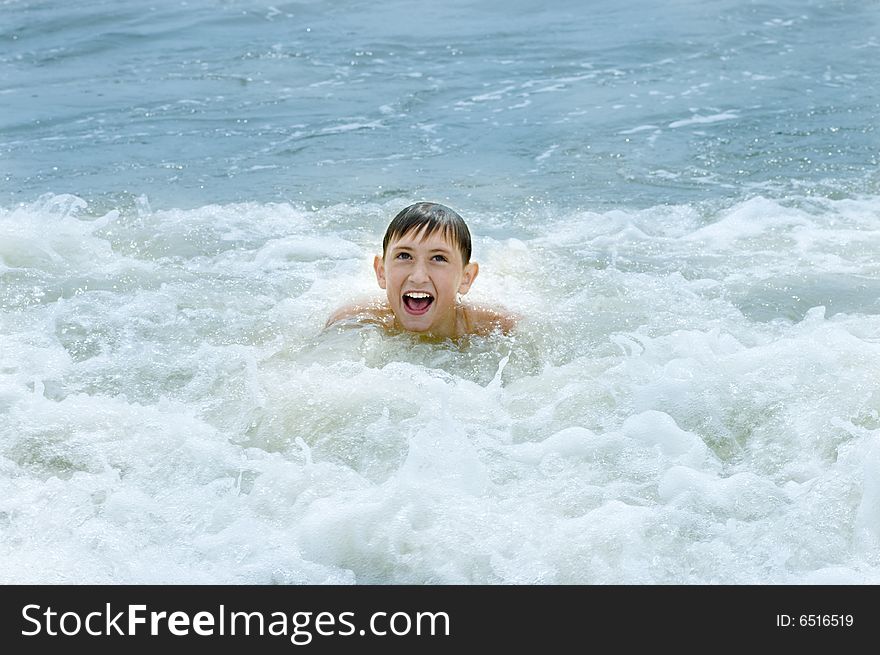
{"x": 419, "y": 273}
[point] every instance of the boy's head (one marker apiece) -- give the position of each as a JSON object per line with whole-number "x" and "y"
{"x": 425, "y": 263}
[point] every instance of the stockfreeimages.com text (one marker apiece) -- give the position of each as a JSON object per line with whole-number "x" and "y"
{"x": 301, "y": 627}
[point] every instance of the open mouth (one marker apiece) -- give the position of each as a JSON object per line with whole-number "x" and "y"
{"x": 417, "y": 302}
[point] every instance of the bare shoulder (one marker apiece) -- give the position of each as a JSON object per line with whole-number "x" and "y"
{"x": 484, "y": 320}
{"x": 365, "y": 311}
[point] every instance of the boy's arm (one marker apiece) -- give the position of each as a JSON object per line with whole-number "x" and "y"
{"x": 488, "y": 320}
{"x": 341, "y": 314}
{"x": 506, "y": 321}
{"x": 369, "y": 310}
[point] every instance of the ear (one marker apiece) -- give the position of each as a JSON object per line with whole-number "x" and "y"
{"x": 379, "y": 267}
{"x": 468, "y": 277}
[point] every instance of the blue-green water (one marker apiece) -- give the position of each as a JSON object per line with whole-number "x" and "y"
{"x": 682, "y": 200}
{"x": 490, "y": 104}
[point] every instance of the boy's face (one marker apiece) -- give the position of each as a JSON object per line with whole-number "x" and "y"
{"x": 421, "y": 277}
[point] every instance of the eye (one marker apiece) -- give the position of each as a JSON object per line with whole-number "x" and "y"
{"x": 403, "y": 255}
{"x": 440, "y": 258}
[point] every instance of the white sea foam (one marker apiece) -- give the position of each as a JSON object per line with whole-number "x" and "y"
{"x": 702, "y": 120}
{"x": 689, "y": 398}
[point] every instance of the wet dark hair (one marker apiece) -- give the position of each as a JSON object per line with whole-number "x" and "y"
{"x": 430, "y": 217}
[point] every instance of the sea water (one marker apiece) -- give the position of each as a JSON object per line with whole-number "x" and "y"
{"x": 681, "y": 200}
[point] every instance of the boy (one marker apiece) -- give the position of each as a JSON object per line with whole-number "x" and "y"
{"x": 425, "y": 265}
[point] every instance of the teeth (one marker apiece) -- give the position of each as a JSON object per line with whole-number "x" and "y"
{"x": 417, "y": 294}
